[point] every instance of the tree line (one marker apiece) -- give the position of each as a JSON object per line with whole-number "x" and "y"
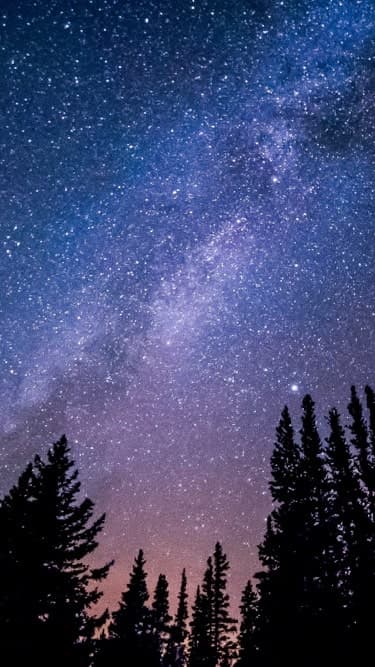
{"x": 311, "y": 603}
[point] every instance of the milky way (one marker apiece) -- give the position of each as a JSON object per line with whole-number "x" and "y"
{"x": 186, "y": 245}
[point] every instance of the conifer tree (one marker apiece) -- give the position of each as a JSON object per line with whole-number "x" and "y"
{"x": 358, "y": 428}
{"x": 247, "y": 648}
{"x": 281, "y": 581}
{"x": 348, "y": 528}
{"x": 364, "y": 576}
{"x": 315, "y": 491}
{"x": 370, "y": 399}
{"x": 182, "y": 610}
{"x": 160, "y": 616}
{"x": 20, "y": 602}
{"x": 285, "y": 462}
{"x": 176, "y": 654}
{"x": 297, "y": 585}
{"x": 223, "y": 624}
{"x": 130, "y": 632}
{"x": 46, "y": 535}
{"x": 212, "y": 627}
{"x": 200, "y": 646}
{"x": 207, "y": 597}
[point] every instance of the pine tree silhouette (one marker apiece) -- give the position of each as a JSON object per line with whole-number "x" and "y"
{"x": 46, "y": 535}
{"x": 349, "y": 527}
{"x": 200, "y": 644}
{"x": 370, "y": 400}
{"x": 212, "y": 628}
{"x": 281, "y": 581}
{"x": 247, "y": 641}
{"x": 360, "y": 440}
{"x": 296, "y": 585}
{"x": 130, "y": 632}
{"x": 160, "y": 617}
{"x": 223, "y": 624}
{"x": 176, "y": 650}
{"x": 364, "y": 575}
{"x": 319, "y": 595}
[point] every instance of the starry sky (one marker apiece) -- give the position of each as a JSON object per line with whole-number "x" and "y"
{"x": 186, "y": 244}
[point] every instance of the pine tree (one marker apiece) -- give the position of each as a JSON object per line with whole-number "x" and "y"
{"x": 315, "y": 491}
{"x": 349, "y": 526}
{"x": 130, "y": 632}
{"x": 160, "y": 616}
{"x": 223, "y": 624}
{"x": 207, "y": 598}
{"x": 20, "y": 602}
{"x": 212, "y": 627}
{"x": 360, "y": 440}
{"x": 46, "y": 537}
{"x": 182, "y": 611}
{"x": 296, "y": 587}
{"x": 176, "y": 655}
{"x": 281, "y": 581}
{"x": 364, "y": 575}
{"x": 200, "y": 653}
{"x": 370, "y": 399}
{"x": 285, "y": 462}
{"x": 247, "y": 647}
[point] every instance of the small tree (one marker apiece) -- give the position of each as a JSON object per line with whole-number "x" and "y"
{"x": 130, "y": 632}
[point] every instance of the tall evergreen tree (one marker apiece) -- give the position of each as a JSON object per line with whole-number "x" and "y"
{"x": 200, "y": 645}
{"x": 223, "y": 624}
{"x": 349, "y": 527}
{"x": 176, "y": 650}
{"x": 318, "y": 572}
{"x": 360, "y": 440}
{"x": 182, "y": 610}
{"x": 364, "y": 576}
{"x": 46, "y": 586}
{"x": 160, "y": 616}
{"x": 207, "y": 598}
{"x": 212, "y": 627}
{"x": 370, "y": 399}
{"x": 247, "y": 642}
{"x": 130, "y": 632}
{"x": 296, "y": 587}
{"x": 281, "y": 581}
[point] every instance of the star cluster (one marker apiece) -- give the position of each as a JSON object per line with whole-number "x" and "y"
{"x": 186, "y": 244}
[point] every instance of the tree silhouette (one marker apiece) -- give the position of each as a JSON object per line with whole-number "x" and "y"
{"x": 130, "y": 632}
{"x": 223, "y": 624}
{"x": 48, "y": 588}
{"x": 160, "y": 617}
{"x": 201, "y": 654}
{"x": 281, "y": 580}
{"x": 212, "y": 628}
{"x": 176, "y": 654}
{"x": 247, "y": 642}
{"x": 360, "y": 440}
{"x": 370, "y": 400}
{"x": 364, "y": 575}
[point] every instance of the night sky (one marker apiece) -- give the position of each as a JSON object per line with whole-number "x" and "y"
{"x": 186, "y": 244}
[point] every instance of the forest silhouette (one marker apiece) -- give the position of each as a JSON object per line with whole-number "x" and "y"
{"x": 311, "y": 603}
